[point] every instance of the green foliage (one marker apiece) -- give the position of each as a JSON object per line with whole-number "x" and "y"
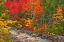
{"x": 49, "y": 8}
{"x": 3, "y": 37}
{"x": 59, "y": 29}
{"x": 2, "y": 10}
{"x": 6, "y": 38}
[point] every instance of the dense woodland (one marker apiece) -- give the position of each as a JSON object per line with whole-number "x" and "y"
{"x": 36, "y": 16}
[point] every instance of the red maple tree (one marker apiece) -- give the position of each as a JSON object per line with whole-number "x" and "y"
{"x": 15, "y": 7}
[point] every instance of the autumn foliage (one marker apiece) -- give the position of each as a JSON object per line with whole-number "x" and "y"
{"x": 58, "y": 16}
{"x": 15, "y": 7}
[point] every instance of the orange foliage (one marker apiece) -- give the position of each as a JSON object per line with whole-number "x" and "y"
{"x": 59, "y": 10}
{"x": 35, "y": 30}
{"x": 58, "y": 16}
{"x": 37, "y": 9}
{"x": 43, "y": 28}
{"x": 30, "y": 22}
{"x": 35, "y": 4}
{"x": 35, "y": 1}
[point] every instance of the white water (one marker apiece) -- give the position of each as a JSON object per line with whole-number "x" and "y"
{"x": 24, "y": 37}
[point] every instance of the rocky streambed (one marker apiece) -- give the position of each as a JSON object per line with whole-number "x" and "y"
{"x": 26, "y": 36}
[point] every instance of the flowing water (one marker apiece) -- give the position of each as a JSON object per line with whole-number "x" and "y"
{"x": 19, "y": 36}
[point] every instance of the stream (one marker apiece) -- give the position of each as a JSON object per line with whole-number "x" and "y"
{"x": 20, "y": 36}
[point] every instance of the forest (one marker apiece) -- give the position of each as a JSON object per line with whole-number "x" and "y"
{"x": 43, "y": 18}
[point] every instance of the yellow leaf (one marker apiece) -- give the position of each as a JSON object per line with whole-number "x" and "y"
{"x": 1, "y": 19}
{"x": 5, "y": 31}
{"x": 2, "y": 40}
{"x": 53, "y": 34}
{"x": 10, "y": 21}
{"x": 4, "y": 24}
{"x": 3, "y": 14}
{"x": 8, "y": 27}
{"x": 19, "y": 25}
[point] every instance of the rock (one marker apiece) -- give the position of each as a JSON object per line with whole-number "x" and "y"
{"x": 25, "y": 37}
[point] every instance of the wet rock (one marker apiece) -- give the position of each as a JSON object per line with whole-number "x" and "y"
{"x": 19, "y": 36}
{"x": 59, "y": 38}
{"x": 39, "y": 34}
{"x": 44, "y": 36}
